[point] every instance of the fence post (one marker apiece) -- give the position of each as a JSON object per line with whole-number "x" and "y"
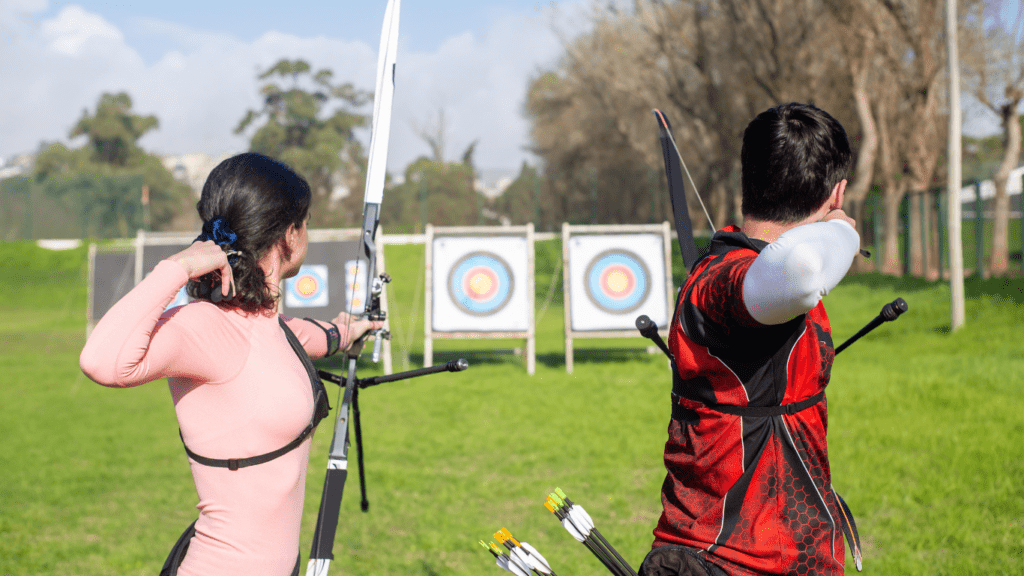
{"x": 905, "y": 211}
{"x": 876, "y": 227}
{"x": 979, "y": 230}
{"x": 925, "y": 223}
{"x": 939, "y": 210}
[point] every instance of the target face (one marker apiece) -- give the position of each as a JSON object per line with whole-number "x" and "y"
{"x": 617, "y": 281}
{"x": 355, "y": 285}
{"x": 480, "y": 283}
{"x": 613, "y": 278}
{"x": 308, "y": 289}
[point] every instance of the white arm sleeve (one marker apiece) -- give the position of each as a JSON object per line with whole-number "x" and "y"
{"x": 791, "y": 275}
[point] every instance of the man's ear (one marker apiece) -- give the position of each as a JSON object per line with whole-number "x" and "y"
{"x": 836, "y": 199}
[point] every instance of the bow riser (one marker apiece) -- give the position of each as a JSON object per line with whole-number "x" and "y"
{"x": 337, "y": 465}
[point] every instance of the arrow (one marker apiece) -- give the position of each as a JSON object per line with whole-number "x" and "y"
{"x": 580, "y": 525}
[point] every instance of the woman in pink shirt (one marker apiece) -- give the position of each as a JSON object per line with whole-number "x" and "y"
{"x": 234, "y": 366}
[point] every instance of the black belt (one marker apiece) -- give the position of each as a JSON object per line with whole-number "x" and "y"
{"x": 754, "y": 411}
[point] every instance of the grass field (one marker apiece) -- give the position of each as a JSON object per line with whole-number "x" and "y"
{"x": 926, "y": 434}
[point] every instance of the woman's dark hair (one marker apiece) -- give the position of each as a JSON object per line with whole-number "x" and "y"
{"x": 259, "y": 198}
{"x": 792, "y": 157}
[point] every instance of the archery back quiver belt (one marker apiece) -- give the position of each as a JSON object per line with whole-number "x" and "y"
{"x": 321, "y": 407}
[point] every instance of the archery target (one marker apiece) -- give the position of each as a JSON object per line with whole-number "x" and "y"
{"x": 480, "y": 283}
{"x": 615, "y": 278}
{"x": 477, "y": 284}
{"x": 356, "y": 285}
{"x": 308, "y": 288}
{"x": 617, "y": 281}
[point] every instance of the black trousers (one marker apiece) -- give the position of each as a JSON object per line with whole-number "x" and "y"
{"x": 678, "y": 561}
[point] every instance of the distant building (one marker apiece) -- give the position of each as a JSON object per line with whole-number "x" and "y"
{"x": 191, "y": 169}
{"x": 17, "y": 166}
{"x": 492, "y": 182}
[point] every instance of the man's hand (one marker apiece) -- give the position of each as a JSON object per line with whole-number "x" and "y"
{"x": 838, "y": 214}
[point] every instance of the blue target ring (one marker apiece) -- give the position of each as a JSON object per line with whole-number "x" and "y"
{"x": 617, "y": 281}
{"x": 480, "y": 283}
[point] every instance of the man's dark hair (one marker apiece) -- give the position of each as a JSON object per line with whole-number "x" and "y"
{"x": 259, "y": 198}
{"x": 792, "y": 157}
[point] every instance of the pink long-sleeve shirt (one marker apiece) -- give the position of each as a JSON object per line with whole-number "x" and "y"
{"x": 239, "y": 390}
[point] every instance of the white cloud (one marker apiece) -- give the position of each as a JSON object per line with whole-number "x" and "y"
{"x": 205, "y": 81}
{"x": 74, "y": 28}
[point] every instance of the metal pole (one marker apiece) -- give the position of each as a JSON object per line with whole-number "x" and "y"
{"x": 954, "y": 174}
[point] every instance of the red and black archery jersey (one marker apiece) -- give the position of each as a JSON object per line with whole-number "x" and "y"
{"x": 748, "y": 476}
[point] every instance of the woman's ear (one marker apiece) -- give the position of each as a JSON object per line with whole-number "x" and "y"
{"x": 289, "y": 242}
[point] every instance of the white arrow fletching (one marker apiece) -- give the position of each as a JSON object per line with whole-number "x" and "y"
{"x": 584, "y": 521}
{"x": 571, "y": 529}
{"x": 515, "y": 568}
{"x": 380, "y": 132}
{"x": 317, "y": 567}
{"x": 502, "y": 562}
{"x": 538, "y": 562}
{"x": 520, "y": 559}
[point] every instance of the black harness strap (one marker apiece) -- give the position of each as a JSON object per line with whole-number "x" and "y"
{"x": 320, "y": 410}
{"x": 680, "y": 412}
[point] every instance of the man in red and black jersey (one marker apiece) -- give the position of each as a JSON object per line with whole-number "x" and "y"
{"x": 748, "y": 489}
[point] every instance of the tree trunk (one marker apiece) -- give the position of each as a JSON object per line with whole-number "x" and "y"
{"x": 891, "y": 255}
{"x": 1000, "y": 258}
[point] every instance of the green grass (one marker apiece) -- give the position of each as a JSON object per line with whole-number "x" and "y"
{"x": 926, "y": 429}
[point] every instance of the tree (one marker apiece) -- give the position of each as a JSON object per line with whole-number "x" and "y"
{"x": 100, "y": 184}
{"x": 433, "y": 192}
{"x": 114, "y": 131}
{"x": 520, "y": 201}
{"x": 709, "y": 65}
{"x": 310, "y": 126}
{"x": 994, "y": 59}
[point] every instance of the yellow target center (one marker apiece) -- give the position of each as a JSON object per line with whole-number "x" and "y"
{"x": 306, "y": 286}
{"x": 617, "y": 281}
{"x": 480, "y": 283}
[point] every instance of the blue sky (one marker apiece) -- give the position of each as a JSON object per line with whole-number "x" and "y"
{"x": 194, "y": 63}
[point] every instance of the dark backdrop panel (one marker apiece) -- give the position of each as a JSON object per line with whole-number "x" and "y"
{"x": 333, "y": 255}
{"x": 112, "y": 277}
{"x": 153, "y": 254}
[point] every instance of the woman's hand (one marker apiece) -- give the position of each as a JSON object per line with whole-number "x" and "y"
{"x": 204, "y": 257}
{"x": 352, "y": 329}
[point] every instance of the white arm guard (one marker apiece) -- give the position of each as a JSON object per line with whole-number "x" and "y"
{"x": 791, "y": 275}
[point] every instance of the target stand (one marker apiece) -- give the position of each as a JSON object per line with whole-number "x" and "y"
{"x": 327, "y": 283}
{"x": 613, "y": 274}
{"x": 479, "y": 284}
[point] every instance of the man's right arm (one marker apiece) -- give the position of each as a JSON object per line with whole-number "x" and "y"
{"x": 791, "y": 275}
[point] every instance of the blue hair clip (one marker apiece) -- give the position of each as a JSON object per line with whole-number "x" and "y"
{"x": 217, "y": 230}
